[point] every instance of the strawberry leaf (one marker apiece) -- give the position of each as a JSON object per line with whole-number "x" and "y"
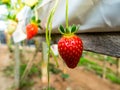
{"x": 61, "y": 29}
{"x": 67, "y": 30}
{"x": 39, "y": 21}
{"x": 40, "y": 27}
{"x": 73, "y": 28}
{"x": 33, "y": 18}
{"x": 77, "y": 28}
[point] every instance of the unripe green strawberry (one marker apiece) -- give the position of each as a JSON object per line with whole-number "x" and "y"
{"x": 11, "y": 27}
{"x": 70, "y": 49}
{"x": 70, "y": 46}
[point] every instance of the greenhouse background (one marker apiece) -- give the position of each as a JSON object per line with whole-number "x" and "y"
{"x": 30, "y": 57}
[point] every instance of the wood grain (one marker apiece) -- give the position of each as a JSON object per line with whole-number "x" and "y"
{"x": 107, "y": 43}
{"x": 104, "y": 43}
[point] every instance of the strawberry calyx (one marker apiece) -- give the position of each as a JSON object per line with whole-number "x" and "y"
{"x": 69, "y": 30}
{"x": 32, "y": 28}
{"x": 36, "y": 22}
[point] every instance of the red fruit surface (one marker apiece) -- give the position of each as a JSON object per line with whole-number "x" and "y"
{"x": 31, "y": 30}
{"x": 70, "y": 49}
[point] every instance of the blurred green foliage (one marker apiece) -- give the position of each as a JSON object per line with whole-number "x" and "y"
{"x": 92, "y": 66}
{"x": 54, "y": 69}
{"x": 101, "y": 57}
{"x": 65, "y": 76}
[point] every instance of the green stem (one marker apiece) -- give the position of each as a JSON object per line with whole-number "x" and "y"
{"x": 48, "y": 37}
{"x": 67, "y": 14}
{"x": 36, "y": 14}
{"x": 48, "y": 69}
{"x": 54, "y": 57}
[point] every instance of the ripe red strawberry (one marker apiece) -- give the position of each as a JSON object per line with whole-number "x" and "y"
{"x": 31, "y": 30}
{"x": 70, "y": 47}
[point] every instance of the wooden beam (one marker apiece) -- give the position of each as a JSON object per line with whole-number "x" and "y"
{"x": 104, "y": 43}
{"x": 107, "y": 43}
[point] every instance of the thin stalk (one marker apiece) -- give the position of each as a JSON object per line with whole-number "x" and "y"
{"x": 48, "y": 37}
{"x": 48, "y": 42}
{"x": 48, "y": 69}
{"x": 54, "y": 57}
{"x": 47, "y": 29}
{"x": 67, "y": 14}
{"x": 36, "y": 14}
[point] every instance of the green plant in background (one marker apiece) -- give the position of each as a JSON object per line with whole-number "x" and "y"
{"x": 9, "y": 71}
{"x": 27, "y": 82}
{"x": 100, "y": 57}
{"x": 65, "y": 76}
{"x": 92, "y": 66}
{"x": 54, "y": 69}
{"x": 33, "y": 71}
{"x": 50, "y": 88}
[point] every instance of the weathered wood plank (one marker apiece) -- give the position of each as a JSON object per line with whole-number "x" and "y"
{"x": 104, "y": 43}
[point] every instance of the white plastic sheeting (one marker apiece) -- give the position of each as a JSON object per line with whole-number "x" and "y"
{"x": 23, "y": 18}
{"x": 3, "y": 25}
{"x": 3, "y": 13}
{"x": 92, "y": 15}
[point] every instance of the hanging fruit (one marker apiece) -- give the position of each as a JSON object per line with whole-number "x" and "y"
{"x": 31, "y": 30}
{"x": 70, "y": 46}
{"x": 33, "y": 27}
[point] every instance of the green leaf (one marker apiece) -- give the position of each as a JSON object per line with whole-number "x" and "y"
{"x": 40, "y": 27}
{"x": 78, "y": 26}
{"x": 73, "y": 28}
{"x": 66, "y": 30}
{"x": 65, "y": 76}
{"x": 33, "y": 18}
{"x": 70, "y": 28}
{"x": 11, "y": 16}
{"x": 39, "y": 21}
{"x": 61, "y": 29}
